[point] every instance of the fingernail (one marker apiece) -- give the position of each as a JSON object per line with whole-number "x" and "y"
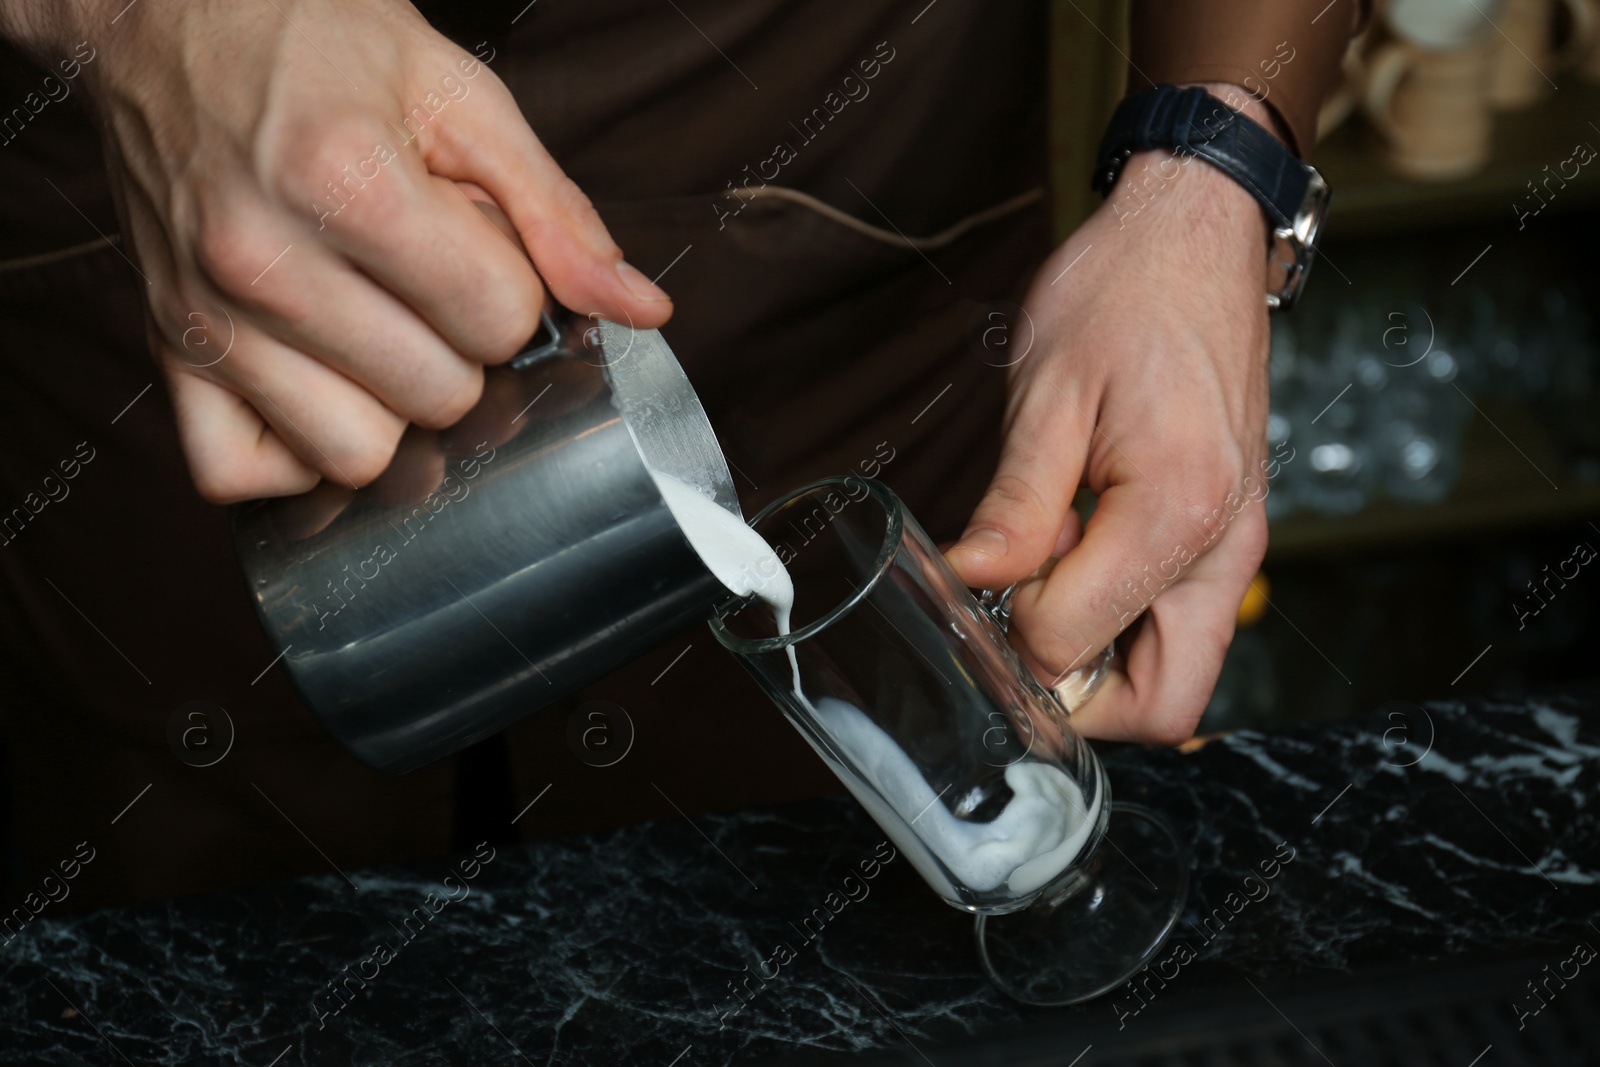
{"x": 988, "y": 541}
{"x": 637, "y": 284}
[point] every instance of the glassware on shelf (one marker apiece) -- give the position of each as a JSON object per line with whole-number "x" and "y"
{"x": 1420, "y": 419}
{"x": 1283, "y": 376}
{"x": 1397, "y": 426}
{"x": 1320, "y": 404}
{"x": 1489, "y": 334}
{"x": 1573, "y": 397}
{"x": 1280, "y": 500}
{"x": 907, "y": 688}
{"x": 1339, "y": 474}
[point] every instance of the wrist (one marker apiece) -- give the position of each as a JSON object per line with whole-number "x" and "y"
{"x": 1202, "y": 211}
{"x": 1179, "y": 191}
{"x": 1189, "y": 199}
{"x": 1239, "y": 203}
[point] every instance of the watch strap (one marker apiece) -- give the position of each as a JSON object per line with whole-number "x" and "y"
{"x": 1193, "y": 122}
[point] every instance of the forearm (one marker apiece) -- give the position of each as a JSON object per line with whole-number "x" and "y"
{"x": 42, "y": 25}
{"x": 1285, "y": 53}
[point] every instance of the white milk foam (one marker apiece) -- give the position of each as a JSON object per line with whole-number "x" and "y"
{"x": 739, "y": 557}
{"x": 1040, "y": 831}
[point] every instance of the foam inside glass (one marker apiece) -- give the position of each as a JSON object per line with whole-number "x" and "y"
{"x": 882, "y": 623}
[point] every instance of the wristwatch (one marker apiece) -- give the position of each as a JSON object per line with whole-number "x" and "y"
{"x": 1192, "y": 122}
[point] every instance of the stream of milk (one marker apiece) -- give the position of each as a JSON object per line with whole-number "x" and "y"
{"x": 1039, "y": 832}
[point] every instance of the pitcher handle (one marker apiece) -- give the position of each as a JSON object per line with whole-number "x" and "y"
{"x": 561, "y": 333}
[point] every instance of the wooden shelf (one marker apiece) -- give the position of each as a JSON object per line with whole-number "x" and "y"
{"x": 1370, "y": 198}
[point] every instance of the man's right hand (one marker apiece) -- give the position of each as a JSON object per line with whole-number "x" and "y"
{"x": 290, "y": 180}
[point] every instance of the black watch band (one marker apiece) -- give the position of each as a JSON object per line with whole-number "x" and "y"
{"x": 1192, "y": 122}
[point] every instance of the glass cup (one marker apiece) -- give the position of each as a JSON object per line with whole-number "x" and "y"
{"x": 906, "y": 686}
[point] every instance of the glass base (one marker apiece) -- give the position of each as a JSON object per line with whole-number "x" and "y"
{"x": 1109, "y": 924}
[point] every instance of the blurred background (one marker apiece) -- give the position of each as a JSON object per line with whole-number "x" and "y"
{"x": 1438, "y": 387}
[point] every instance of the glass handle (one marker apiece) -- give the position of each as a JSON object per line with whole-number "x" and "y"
{"x": 1073, "y": 689}
{"x": 998, "y": 605}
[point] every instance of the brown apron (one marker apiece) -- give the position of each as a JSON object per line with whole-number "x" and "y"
{"x": 819, "y": 344}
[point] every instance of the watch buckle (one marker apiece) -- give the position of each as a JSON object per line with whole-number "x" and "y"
{"x": 1294, "y": 245}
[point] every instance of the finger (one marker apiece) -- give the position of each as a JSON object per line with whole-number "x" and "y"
{"x": 479, "y": 197}
{"x": 1141, "y": 538}
{"x": 417, "y": 469}
{"x": 571, "y": 246}
{"x": 509, "y": 399}
{"x": 1173, "y": 663}
{"x": 232, "y": 453}
{"x": 512, "y": 399}
{"x": 1071, "y": 533}
{"x": 322, "y": 306}
{"x": 307, "y": 514}
{"x": 1024, "y": 513}
{"x": 419, "y": 237}
{"x": 333, "y": 424}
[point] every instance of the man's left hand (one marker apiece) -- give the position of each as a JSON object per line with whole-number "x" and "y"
{"x": 1147, "y": 383}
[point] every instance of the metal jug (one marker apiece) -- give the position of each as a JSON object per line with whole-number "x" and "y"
{"x": 500, "y": 564}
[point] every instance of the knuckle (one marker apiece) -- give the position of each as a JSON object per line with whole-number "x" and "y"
{"x": 368, "y": 463}
{"x": 228, "y": 478}
{"x": 230, "y": 252}
{"x": 1170, "y": 731}
{"x": 1252, "y": 535}
{"x": 1215, "y": 499}
{"x": 1174, "y": 512}
{"x": 448, "y": 407}
{"x": 1197, "y": 509}
{"x": 376, "y": 204}
{"x": 365, "y": 460}
{"x": 502, "y": 326}
{"x": 219, "y": 484}
{"x": 361, "y": 466}
{"x": 324, "y": 165}
{"x": 1206, "y": 499}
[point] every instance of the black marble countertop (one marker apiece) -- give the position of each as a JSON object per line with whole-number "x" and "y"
{"x": 1449, "y": 832}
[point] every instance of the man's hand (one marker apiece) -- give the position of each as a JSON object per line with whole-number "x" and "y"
{"x": 1147, "y": 383}
{"x": 290, "y": 179}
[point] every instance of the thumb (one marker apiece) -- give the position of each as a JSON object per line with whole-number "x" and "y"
{"x": 564, "y": 234}
{"x": 1026, "y": 513}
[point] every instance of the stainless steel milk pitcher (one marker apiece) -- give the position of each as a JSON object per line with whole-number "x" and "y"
{"x": 500, "y": 564}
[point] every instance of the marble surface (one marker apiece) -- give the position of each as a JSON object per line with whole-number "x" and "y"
{"x": 1418, "y": 834}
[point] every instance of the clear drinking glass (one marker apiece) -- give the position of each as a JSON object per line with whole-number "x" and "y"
{"x": 907, "y": 688}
